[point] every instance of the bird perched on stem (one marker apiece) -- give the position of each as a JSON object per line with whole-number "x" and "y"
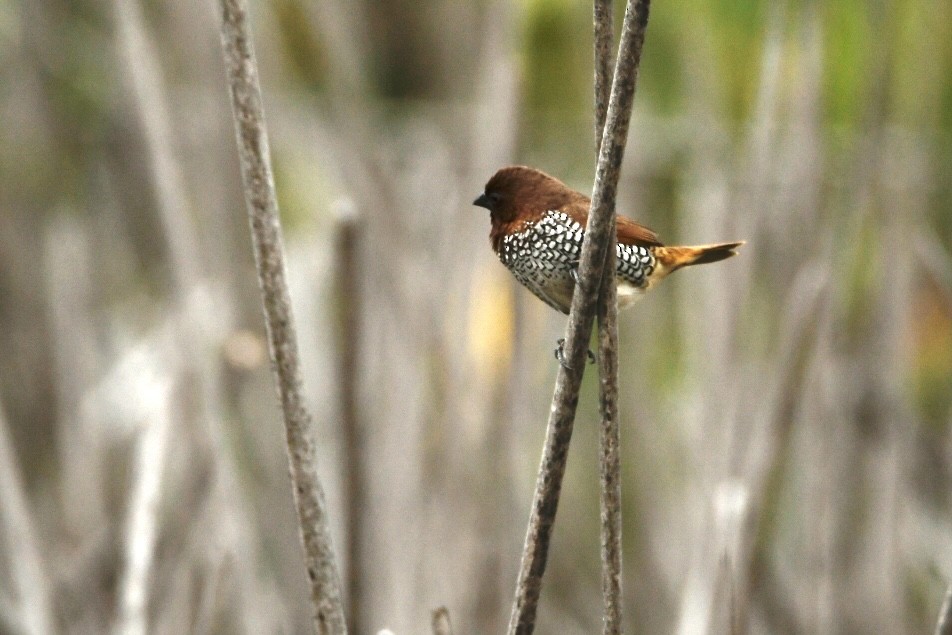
{"x": 538, "y": 224}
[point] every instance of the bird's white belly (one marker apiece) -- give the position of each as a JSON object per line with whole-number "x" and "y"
{"x": 628, "y": 293}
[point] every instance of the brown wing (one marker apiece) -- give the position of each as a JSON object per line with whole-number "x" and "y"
{"x": 629, "y": 232}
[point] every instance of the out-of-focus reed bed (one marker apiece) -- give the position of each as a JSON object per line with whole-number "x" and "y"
{"x": 786, "y": 414}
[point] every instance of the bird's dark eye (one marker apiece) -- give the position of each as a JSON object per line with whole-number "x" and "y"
{"x": 494, "y": 197}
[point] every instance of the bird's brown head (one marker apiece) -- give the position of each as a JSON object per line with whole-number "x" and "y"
{"x": 519, "y": 192}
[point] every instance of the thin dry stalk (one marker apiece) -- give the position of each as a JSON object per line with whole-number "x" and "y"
{"x": 143, "y": 521}
{"x": 610, "y": 434}
{"x": 355, "y": 448}
{"x": 604, "y": 43}
{"x": 196, "y": 341}
{"x": 944, "y": 625}
{"x": 261, "y": 199}
{"x": 609, "y": 450}
{"x": 598, "y": 233}
{"x": 144, "y": 79}
{"x": 69, "y": 279}
{"x": 441, "y": 622}
{"x": 712, "y": 326}
{"x": 33, "y": 615}
{"x": 934, "y": 260}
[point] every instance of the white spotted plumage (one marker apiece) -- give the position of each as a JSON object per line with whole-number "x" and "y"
{"x": 544, "y": 257}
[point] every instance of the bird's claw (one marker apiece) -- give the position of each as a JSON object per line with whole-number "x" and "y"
{"x": 560, "y": 354}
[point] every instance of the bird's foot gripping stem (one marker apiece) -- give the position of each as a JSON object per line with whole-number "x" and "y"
{"x": 560, "y": 353}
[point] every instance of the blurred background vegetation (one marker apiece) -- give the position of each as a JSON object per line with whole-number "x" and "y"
{"x": 787, "y": 415}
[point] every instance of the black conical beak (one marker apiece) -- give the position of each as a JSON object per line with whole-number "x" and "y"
{"x": 482, "y": 201}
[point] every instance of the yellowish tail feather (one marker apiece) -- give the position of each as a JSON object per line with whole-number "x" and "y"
{"x": 673, "y": 258}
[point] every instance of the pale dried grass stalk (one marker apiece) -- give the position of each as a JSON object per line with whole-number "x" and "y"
{"x": 32, "y": 612}
{"x": 266, "y": 233}
{"x": 441, "y": 622}
{"x": 944, "y": 625}
{"x": 143, "y": 519}
{"x": 199, "y": 322}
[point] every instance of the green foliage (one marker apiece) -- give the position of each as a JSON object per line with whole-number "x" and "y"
{"x": 557, "y": 83}
{"x": 849, "y": 45}
{"x": 304, "y": 54}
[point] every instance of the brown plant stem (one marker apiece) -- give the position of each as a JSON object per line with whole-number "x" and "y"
{"x": 266, "y": 235}
{"x": 598, "y": 232}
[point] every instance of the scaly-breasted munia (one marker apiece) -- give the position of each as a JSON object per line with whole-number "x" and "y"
{"x": 538, "y": 224}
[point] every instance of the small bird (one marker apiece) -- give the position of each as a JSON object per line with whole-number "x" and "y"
{"x": 538, "y": 224}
